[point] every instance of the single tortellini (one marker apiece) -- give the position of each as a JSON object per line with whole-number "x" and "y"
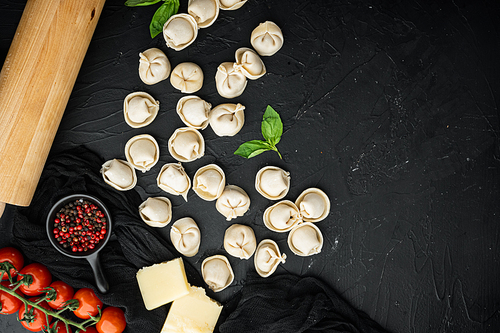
{"x": 239, "y": 241}
{"x": 209, "y": 182}
{"x": 180, "y": 31}
{"x": 153, "y": 66}
{"x": 173, "y": 179}
{"x": 249, "y": 63}
{"x": 186, "y": 144}
{"x": 267, "y": 38}
{"x": 282, "y": 216}
{"x": 156, "y": 212}
{"x": 305, "y": 239}
{"x": 233, "y": 202}
{"x": 194, "y": 111}
{"x": 187, "y": 77}
{"x": 272, "y": 182}
{"x": 231, "y": 4}
{"x": 186, "y": 236}
{"x": 217, "y": 272}
{"x": 314, "y": 205}
{"x": 267, "y": 257}
{"x": 140, "y": 109}
{"x": 205, "y": 12}
{"x": 119, "y": 174}
{"x": 227, "y": 119}
{"x": 229, "y": 81}
{"x": 142, "y": 151}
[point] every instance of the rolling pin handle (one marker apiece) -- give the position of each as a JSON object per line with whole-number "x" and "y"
{"x": 2, "y": 208}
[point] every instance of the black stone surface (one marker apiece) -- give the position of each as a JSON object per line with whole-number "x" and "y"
{"x": 390, "y": 107}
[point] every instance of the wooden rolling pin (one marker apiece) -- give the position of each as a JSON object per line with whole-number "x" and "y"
{"x": 35, "y": 84}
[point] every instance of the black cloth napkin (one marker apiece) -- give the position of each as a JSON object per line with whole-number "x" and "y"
{"x": 291, "y": 304}
{"x": 133, "y": 244}
{"x": 283, "y": 303}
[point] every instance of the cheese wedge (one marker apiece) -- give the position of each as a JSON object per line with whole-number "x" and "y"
{"x": 193, "y": 313}
{"x": 162, "y": 283}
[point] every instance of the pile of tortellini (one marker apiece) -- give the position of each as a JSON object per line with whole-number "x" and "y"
{"x": 231, "y": 77}
{"x": 187, "y": 144}
{"x": 181, "y": 30}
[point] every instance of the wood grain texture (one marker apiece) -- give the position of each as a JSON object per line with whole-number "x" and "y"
{"x": 35, "y": 84}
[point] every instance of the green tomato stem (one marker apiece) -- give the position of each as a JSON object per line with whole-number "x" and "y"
{"x": 47, "y": 313}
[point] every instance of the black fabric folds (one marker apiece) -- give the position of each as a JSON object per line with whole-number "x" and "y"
{"x": 282, "y": 303}
{"x": 132, "y": 245}
{"x": 291, "y": 304}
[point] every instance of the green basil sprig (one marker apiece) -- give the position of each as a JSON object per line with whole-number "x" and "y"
{"x": 272, "y": 129}
{"x": 162, "y": 14}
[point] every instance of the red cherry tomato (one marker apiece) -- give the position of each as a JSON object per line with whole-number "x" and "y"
{"x": 13, "y": 256}
{"x": 61, "y": 328}
{"x": 41, "y": 279}
{"x": 64, "y": 291}
{"x": 9, "y": 303}
{"x": 89, "y": 330}
{"x": 112, "y": 321}
{"x": 88, "y": 303}
{"x": 40, "y": 318}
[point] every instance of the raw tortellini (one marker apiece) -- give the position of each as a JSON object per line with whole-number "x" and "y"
{"x": 231, "y": 4}
{"x": 267, "y": 38}
{"x": 186, "y": 144}
{"x": 153, "y": 66}
{"x": 204, "y": 12}
{"x": 174, "y": 180}
{"x": 187, "y": 77}
{"x": 314, "y": 205}
{"x": 305, "y": 239}
{"x": 140, "y": 109}
{"x": 267, "y": 257}
{"x": 217, "y": 272}
{"x": 282, "y": 216}
{"x": 249, "y": 63}
{"x": 209, "y": 182}
{"x": 119, "y": 174}
{"x": 227, "y": 119}
{"x": 186, "y": 237}
{"x": 194, "y": 111}
{"x": 229, "y": 81}
{"x": 272, "y": 182}
{"x": 233, "y": 202}
{"x": 180, "y": 31}
{"x": 156, "y": 212}
{"x": 239, "y": 241}
{"x": 142, "y": 151}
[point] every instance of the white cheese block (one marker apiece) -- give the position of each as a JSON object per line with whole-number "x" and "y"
{"x": 162, "y": 283}
{"x": 193, "y": 313}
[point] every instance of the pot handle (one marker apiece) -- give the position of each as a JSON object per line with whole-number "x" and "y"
{"x": 100, "y": 279}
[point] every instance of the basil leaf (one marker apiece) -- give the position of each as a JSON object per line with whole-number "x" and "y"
{"x": 252, "y": 148}
{"x": 166, "y": 10}
{"x": 135, "y": 3}
{"x": 272, "y": 127}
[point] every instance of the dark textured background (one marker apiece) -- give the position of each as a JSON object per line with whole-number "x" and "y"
{"x": 390, "y": 107}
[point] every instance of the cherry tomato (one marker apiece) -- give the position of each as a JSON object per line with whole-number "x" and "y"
{"x": 112, "y": 321}
{"x": 64, "y": 291}
{"x": 9, "y": 303}
{"x": 41, "y": 279}
{"x": 13, "y": 256}
{"x": 61, "y": 328}
{"x": 88, "y": 303}
{"x": 40, "y": 318}
{"x": 89, "y": 330}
